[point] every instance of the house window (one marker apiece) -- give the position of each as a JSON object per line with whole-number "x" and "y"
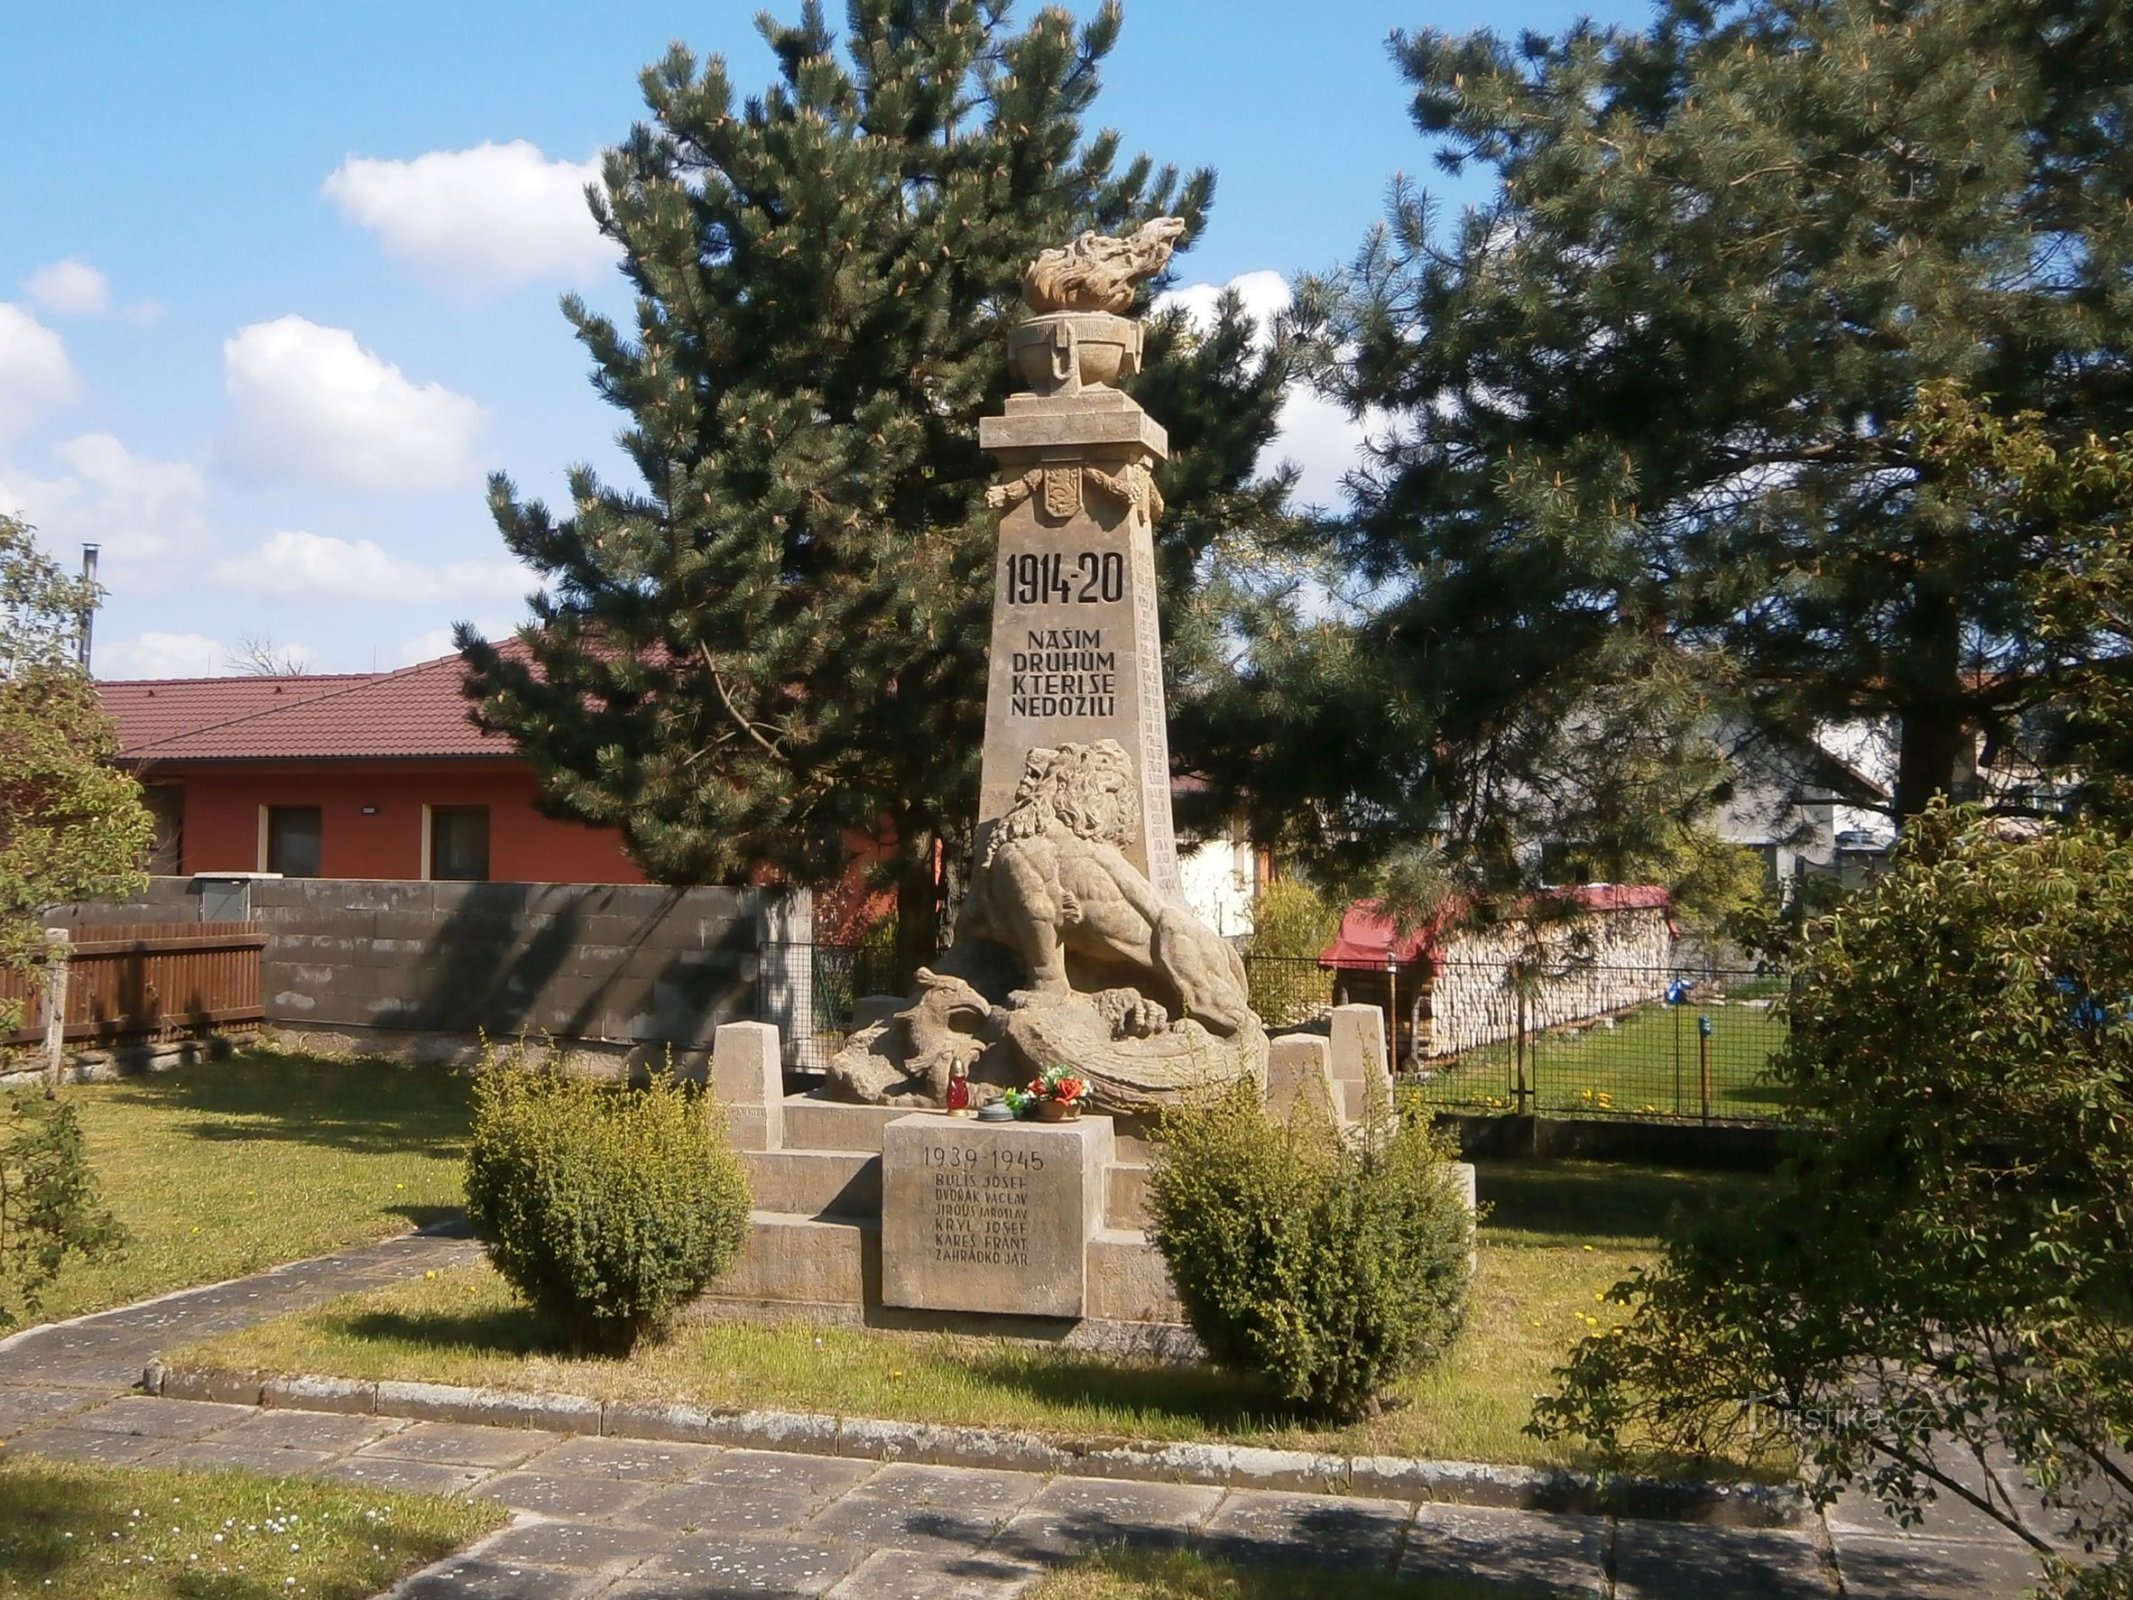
{"x": 293, "y": 841}
{"x": 166, "y": 805}
{"x": 459, "y": 843}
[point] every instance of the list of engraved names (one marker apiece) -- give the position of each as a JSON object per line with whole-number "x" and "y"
{"x": 981, "y": 1202}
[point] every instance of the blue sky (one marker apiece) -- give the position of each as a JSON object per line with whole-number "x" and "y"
{"x": 278, "y": 283}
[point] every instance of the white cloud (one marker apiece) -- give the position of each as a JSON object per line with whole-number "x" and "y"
{"x": 1316, "y": 435}
{"x": 162, "y": 655}
{"x": 36, "y": 378}
{"x": 69, "y": 288}
{"x": 143, "y": 312}
{"x": 477, "y": 222}
{"x": 143, "y": 513}
{"x": 296, "y": 565}
{"x": 309, "y": 402}
{"x": 424, "y": 647}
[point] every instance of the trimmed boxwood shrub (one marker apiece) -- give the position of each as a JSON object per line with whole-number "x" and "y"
{"x": 604, "y": 1207}
{"x": 1331, "y": 1266}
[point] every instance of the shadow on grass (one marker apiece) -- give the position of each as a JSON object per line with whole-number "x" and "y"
{"x": 487, "y": 1330}
{"x": 363, "y": 1107}
{"x": 1207, "y": 1396}
{"x": 1598, "y": 1203}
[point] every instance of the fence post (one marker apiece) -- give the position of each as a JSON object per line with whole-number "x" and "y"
{"x": 1703, "y": 1042}
{"x": 56, "y": 948}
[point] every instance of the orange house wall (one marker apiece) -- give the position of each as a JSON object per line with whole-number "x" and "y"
{"x": 222, "y": 817}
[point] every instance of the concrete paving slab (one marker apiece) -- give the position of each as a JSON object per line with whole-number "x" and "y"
{"x": 650, "y": 1460}
{"x": 97, "y": 1445}
{"x": 414, "y": 1477}
{"x": 479, "y": 1578}
{"x": 735, "y": 1508}
{"x": 272, "y": 1460}
{"x": 1691, "y": 1561}
{"x": 610, "y": 1547}
{"x": 820, "y": 1475}
{"x": 1070, "y": 1515}
{"x": 714, "y": 1567}
{"x": 1920, "y": 1569}
{"x": 913, "y": 1507}
{"x": 937, "y": 1575}
{"x": 1307, "y": 1529}
{"x": 467, "y": 1444}
{"x": 1514, "y": 1550}
{"x": 334, "y": 1432}
{"x": 564, "y": 1497}
{"x": 1947, "y": 1518}
{"x": 27, "y": 1408}
{"x": 162, "y": 1419}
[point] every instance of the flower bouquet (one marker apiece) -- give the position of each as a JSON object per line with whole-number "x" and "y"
{"x": 1054, "y": 1095}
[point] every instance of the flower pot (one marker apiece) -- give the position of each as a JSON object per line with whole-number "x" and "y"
{"x": 1056, "y": 1111}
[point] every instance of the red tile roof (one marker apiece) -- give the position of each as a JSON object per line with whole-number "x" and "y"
{"x": 417, "y": 711}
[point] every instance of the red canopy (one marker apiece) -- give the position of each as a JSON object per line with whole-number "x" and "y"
{"x": 1366, "y": 944}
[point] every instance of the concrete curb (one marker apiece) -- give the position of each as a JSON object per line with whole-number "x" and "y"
{"x": 933, "y": 1444}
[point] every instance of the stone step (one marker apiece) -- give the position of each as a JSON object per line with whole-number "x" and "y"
{"x": 810, "y": 1183}
{"x": 1128, "y": 1281}
{"x": 812, "y": 1124}
{"x": 832, "y": 1261}
{"x": 1126, "y": 1195}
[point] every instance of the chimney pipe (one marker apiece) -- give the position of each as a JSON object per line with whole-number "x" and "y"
{"x": 88, "y": 609}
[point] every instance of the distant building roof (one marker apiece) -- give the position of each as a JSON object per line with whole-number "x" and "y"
{"x": 1366, "y": 941}
{"x": 415, "y": 712}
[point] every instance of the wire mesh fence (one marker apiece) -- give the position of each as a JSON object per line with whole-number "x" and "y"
{"x": 1572, "y": 1039}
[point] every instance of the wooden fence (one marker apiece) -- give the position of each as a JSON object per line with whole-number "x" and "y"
{"x": 148, "y": 982}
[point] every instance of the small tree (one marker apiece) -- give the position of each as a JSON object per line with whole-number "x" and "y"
{"x": 71, "y": 826}
{"x": 775, "y": 641}
{"x": 1942, "y": 1278}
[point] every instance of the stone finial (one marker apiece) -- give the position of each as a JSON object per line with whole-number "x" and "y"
{"x": 1097, "y": 273}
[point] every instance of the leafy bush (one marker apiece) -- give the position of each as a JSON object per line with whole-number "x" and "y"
{"x": 50, "y": 1207}
{"x": 603, "y": 1207}
{"x": 1331, "y": 1267}
{"x": 1291, "y": 923}
{"x": 1940, "y": 1276}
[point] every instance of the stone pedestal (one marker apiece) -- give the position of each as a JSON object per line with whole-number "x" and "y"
{"x": 1361, "y": 1067}
{"x": 747, "y": 1076}
{"x": 993, "y": 1217}
{"x": 1299, "y": 1078}
{"x": 1076, "y": 654}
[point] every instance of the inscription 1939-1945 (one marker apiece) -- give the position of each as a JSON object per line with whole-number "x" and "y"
{"x": 980, "y": 1200}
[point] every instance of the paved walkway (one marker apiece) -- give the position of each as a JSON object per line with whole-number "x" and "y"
{"x": 633, "y": 1519}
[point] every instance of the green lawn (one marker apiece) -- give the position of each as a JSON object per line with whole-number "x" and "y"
{"x": 1558, "y": 1236}
{"x": 1649, "y": 1063}
{"x": 226, "y": 1167}
{"x": 1187, "y": 1575}
{"x": 70, "y": 1532}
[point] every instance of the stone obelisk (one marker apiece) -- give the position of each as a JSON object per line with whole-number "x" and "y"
{"x": 1076, "y": 652}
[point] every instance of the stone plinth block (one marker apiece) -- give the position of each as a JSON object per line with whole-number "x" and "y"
{"x": 747, "y": 1075}
{"x": 993, "y": 1217}
{"x": 1299, "y": 1075}
{"x": 1359, "y": 1047}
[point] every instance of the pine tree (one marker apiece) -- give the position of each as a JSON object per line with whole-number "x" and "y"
{"x": 776, "y": 642}
{"x": 1649, "y": 403}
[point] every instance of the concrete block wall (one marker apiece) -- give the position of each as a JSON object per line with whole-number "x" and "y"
{"x": 1599, "y": 964}
{"x": 623, "y": 964}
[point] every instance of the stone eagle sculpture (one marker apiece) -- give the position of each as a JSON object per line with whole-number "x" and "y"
{"x": 1096, "y": 272}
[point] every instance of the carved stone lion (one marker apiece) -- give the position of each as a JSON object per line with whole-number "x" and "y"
{"x": 1110, "y": 976}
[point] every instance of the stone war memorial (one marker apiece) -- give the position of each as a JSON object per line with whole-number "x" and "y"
{"x": 909, "y": 1186}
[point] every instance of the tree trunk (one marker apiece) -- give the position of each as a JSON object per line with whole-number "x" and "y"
{"x": 918, "y": 896}
{"x": 1930, "y": 707}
